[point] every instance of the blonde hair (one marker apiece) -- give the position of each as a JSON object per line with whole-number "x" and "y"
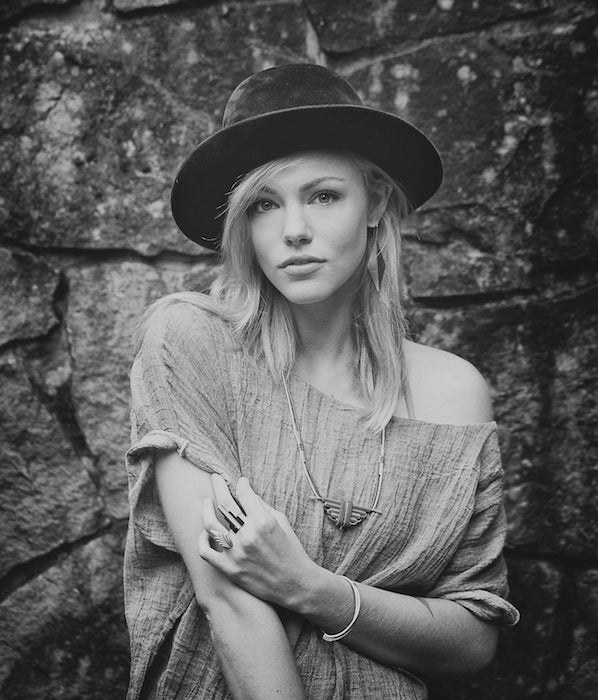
{"x": 262, "y": 319}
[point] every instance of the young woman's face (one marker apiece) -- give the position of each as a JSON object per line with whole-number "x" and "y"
{"x": 308, "y": 228}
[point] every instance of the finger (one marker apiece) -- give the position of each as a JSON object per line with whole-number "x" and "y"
{"x": 223, "y": 495}
{"x": 210, "y": 519}
{"x": 218, "y": 539}
{"x": 206, "y": 552}
{"x": 238, "y": 503}
{"x": 227, "y": 504}
{"x": 246, "y": 489}
{"x": 249, "y": 499}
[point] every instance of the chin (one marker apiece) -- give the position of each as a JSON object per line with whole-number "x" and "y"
{"x": 309, "y": 292}
{"x": 306, "y": 299}
{"x": 313, "y": 297}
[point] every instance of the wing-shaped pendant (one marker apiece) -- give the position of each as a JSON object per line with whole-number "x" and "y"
{"x": 344, "y": 513}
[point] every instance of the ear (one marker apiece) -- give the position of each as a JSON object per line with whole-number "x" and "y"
{"x": 377, "y": 204}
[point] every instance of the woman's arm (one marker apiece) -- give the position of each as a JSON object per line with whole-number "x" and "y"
{"x": 423, "y": 635}
{"x": 250, "y": 641}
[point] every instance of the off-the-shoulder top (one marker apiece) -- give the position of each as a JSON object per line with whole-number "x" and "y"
{"x": 440, "y": 533}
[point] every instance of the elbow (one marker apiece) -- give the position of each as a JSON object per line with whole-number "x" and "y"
{"x": 467, "y": 657}
{"x": 480, "y": 652}
{"x": 481, "y": 659}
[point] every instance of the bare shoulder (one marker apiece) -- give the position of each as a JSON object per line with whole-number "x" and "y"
{"x": 445, "y": 387}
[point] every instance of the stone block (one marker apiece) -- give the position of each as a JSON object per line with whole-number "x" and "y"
{"x": 581, "y": 675}
{"x": 104, "y": 307}
{"x": 47, "y": 495}
{"x": 97, "y": 116}
{"x": 132, "y": 5}
{"x": 27, "y": 286}
{"x": 460, "y": 268}
{"x": 12, "y": 8}
{"x": 62, "y": 634}
{"x": 361, "y": 24}
{"x": 514, "y": 114}
{"x": 48, "y": 365}
{"x": 539, "y": 360}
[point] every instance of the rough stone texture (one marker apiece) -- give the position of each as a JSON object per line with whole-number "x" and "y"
{"x": 62, "y": 631}
{"x": 27, "y": 287}
{"x": 47, "y": 497}
{"x": 114, "y": 295}
{"x": 99, "y": 111}
{"x": 457, "y": 267}
{"x": 505, "y": 131}
{"x": 102, "y": 99}
{"x": 540, "y": 361}
{"x": 10, "y": 8}
{"x": 581, "y": 674}
{"x": 131, "y": 5}
{"x": 362, "y": 24}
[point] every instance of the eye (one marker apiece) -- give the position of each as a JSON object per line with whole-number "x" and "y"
{"x": 261, "y": 206}
{"x": 325, "y": 197}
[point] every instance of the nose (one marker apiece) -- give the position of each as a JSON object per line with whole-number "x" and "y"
{"x": 296, "y": 230}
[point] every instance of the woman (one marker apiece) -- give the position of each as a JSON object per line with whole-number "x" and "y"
{"x": 316, "y": 500}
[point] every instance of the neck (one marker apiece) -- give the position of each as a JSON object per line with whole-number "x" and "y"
{"x": 325, "y": 353}
{"x": 322, "y": 333}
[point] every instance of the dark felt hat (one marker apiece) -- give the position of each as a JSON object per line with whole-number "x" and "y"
{"x": 287, "y": 109}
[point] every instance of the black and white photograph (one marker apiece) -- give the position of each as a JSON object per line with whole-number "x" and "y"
{"x": 298, "y": 350}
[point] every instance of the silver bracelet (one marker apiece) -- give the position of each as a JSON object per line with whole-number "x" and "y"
{"x": 343, "y": 633}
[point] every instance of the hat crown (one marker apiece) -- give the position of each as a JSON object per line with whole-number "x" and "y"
{"x": 287, "y": 87}
{"x": 290, "y": 109}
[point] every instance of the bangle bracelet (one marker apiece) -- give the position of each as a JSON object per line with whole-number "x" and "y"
{"x": 357, "y": 600}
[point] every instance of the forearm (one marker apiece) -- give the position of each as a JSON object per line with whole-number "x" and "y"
{"x": 423, "y": 635}
{"x": 248, "y": 636}
{"x": 253, "y": 649}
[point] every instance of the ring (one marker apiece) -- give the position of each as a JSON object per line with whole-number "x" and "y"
{"x": 219, "y": 541}
{"x": 235, "y": 521}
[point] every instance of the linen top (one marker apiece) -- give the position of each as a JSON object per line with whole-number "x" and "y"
{"x": 440, "y": 532}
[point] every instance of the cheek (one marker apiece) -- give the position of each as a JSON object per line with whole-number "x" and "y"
{"x": 263, "y": 233}
{"x": 260, "y": 247}
{"x": 353, "y": 247}
{"x": 356, "y": 256}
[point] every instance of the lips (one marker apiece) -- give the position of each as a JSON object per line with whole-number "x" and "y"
{"x": 300, "y": 260}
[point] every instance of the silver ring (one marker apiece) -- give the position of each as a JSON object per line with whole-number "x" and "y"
{"x": 234, "y": 520}
{"x": 219, "y": 540}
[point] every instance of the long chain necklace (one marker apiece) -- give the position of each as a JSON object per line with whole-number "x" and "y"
{"x": 343, "y": 513}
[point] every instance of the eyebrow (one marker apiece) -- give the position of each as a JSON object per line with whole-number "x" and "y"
{"x": 311, "y": 184}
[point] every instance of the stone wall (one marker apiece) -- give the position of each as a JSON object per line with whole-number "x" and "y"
{"x": 101, "y": 99}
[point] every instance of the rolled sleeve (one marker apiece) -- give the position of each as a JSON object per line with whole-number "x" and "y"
{"x": 476, "y": 575}
{"x": 179, "y": 403}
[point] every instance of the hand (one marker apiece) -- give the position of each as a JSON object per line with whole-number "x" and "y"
{"x": 266, "y": 558}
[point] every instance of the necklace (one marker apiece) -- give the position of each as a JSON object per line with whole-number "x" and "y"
{"x": 343, "y": 513}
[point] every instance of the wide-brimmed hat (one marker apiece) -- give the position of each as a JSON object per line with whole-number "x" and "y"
{"x": 287, "y": 109}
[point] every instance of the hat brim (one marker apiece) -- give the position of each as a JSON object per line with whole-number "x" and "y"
{"x": 207, "y": 175}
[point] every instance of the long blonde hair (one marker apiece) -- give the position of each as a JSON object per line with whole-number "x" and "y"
{"x": 262, "y": 319}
